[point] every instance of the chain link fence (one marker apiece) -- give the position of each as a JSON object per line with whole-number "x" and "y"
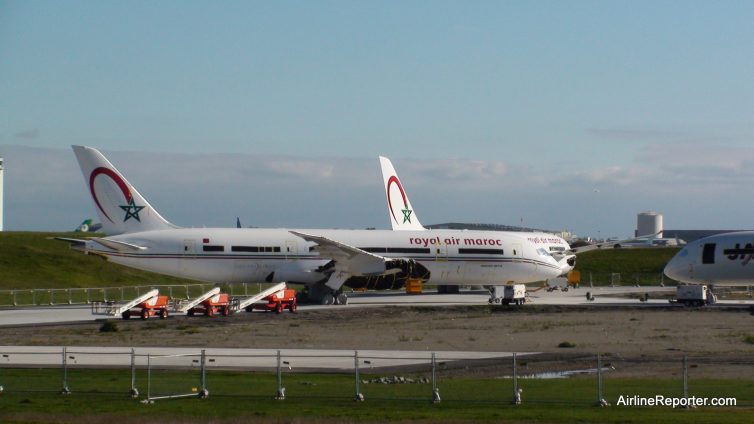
{"x": 593, "y": 379}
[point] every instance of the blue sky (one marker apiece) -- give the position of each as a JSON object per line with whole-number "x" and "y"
{"x": 570, "y": 115}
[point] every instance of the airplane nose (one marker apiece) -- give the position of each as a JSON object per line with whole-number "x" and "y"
{"x": 671, "y": 270}
{"x": 677, "y": 269}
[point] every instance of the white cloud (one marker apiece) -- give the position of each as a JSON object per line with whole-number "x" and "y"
{"x": 45, "y": 190}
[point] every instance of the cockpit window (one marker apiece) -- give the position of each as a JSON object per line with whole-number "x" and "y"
{"x": 543, "y": 252}
{"x": 708, "y": 253}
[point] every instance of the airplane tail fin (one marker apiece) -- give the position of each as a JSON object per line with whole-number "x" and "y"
{"x": 120, "y": 207}
{"x": 400, "y": 211}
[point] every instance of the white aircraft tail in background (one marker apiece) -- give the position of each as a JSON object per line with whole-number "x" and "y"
{"x": 120, "y": 207}
{"x": 402, "y": 215}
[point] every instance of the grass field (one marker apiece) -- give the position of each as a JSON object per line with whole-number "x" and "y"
{"x": 644, "y": 265}
{"x": 238, "y": 396}
{"x": 34, "y": 260}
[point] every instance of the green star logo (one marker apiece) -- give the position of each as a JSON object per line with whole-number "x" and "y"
{"x": 132, "y": 211}
{"x": 406, "y": 215}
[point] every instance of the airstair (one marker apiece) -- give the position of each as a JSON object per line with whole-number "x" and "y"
{"x": 248, "y": 301}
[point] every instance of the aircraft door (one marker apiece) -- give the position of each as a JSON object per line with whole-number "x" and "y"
{"x": 189, "y": 253}
{"x": 291, "y": 249}
{"x": 443, "y": 269}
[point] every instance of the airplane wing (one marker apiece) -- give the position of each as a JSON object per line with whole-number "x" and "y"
{"x": 352, "y": 259}
{"x": 587, "y": 248}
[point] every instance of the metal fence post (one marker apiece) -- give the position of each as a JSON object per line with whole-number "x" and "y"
{"x": 203, "y": 392}
{"x": 600, "y": 397}
{"x": 65, "y": 390}
{"x": 516, "y": 390}
{"x": 149, "y": 377}
{"x": 685, "y": 376}
{"x": 281, "y": 389}
{"x": 358, "y": 396}
{"x": 134, "y": 391}
{"x": 435, "y": 390}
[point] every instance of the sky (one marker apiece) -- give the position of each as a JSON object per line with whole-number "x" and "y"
{"x": 561, "y": 115}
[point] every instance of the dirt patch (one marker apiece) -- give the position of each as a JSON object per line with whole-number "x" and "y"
{"x": 641, "y": 338}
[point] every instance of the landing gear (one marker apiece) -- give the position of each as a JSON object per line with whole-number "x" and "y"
{"x": 327, "y": 299}
{"x": 323, "y": 295}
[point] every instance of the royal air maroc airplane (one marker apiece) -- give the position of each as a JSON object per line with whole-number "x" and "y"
{"x": 323, "y": 260}
{"x": 403, "y": 217}
{"x": 724, "y": 259}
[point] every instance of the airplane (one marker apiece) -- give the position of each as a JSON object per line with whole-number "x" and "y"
{"x": 324, "y": 260}
{"x": 87, "y": 227}
{"x": 720, "y": 259}
{"x": 403, "y": 217}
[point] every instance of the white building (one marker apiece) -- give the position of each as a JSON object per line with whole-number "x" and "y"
{"x": 649, "y": 224}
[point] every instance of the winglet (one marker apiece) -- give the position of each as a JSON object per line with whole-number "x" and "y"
{"x": 401, "y": 213}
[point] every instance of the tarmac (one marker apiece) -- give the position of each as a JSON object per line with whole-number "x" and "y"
{"x": 603, "y": 296}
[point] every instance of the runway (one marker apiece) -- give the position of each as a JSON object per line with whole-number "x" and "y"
{"x": 604, "y": 296}
{"x": 301, "y": 359}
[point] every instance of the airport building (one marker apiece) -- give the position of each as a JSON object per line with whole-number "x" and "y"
{"x": 648, "y": 223}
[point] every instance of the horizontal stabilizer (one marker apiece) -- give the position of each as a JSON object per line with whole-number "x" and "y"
{"x": 74, "y": 242}
{"x": 120, "y": 246}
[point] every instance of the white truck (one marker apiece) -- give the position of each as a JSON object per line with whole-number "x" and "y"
{"x": 694, "y": 295}
{"x": 512, "y": 293}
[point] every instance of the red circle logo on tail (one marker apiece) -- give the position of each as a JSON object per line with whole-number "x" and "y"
{"x": 406, "y": 212}
{"x": 116, "y": 179}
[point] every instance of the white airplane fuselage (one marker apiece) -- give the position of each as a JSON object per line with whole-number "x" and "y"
{"x": 720, "y": 259}
{"x": 235, "y": 255}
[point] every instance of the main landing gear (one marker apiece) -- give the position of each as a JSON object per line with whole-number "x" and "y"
{"x": 322, "y": 295}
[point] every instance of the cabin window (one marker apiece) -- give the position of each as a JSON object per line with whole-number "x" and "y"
{"x": 481, "y": 251}
{"x": 213, "y": 248}
{"x": 407, "y": 250}
{"x": 708, "y": 253}
{"x": 253, "y": 249}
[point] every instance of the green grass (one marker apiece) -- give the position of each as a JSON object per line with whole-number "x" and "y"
{"x": 244, "y": 395}
{"x": 646, "y": 263}
{"x": 32, "y": 260}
